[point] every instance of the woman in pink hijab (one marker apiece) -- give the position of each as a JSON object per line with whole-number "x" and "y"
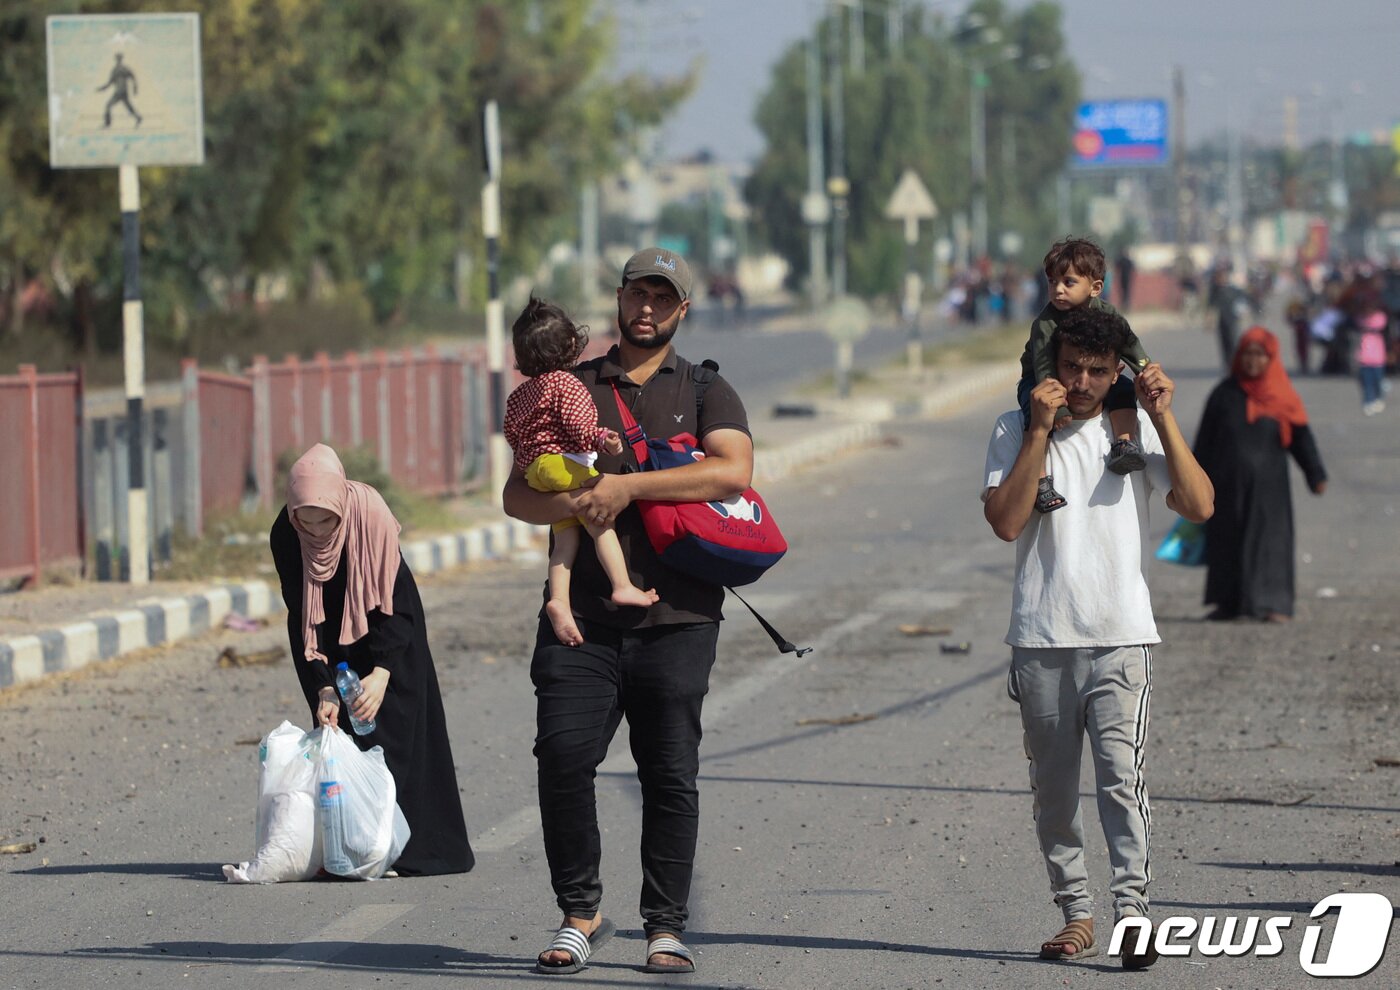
{"x": 350, "y": 597}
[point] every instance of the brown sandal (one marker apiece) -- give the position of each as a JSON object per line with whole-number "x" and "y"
{"x": 1074, "y": 941}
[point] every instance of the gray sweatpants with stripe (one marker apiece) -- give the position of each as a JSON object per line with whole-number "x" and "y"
{"x": 1064, "y": 693}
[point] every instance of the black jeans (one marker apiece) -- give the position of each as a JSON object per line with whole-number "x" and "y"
{"x": 658, "y": 678}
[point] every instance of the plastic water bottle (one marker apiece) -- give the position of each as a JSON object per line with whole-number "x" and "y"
{"x": 347, "y": 682}
{"x": 333, "y": 824}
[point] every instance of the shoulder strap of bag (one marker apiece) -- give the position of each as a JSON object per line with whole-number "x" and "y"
{"x": 632, "y": 433}
{"x": 783, "y": 645}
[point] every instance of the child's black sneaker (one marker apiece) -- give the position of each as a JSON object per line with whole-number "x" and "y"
{"x": 1046, "y": 498}
{"x": 1126, "y": 456}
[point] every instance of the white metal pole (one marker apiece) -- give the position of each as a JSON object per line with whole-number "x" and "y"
{"x": 499, "y": 450}
{"x": 134, "y": 373}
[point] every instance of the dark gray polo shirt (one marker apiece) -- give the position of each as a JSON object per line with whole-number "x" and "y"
{"x": 663, "y": 407}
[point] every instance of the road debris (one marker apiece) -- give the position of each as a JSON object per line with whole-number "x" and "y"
{"x": 229, "y": 657}
{"x": 914, "y": 629}
{"x": 239, "y": 622}
{"x": 852, "y": 719}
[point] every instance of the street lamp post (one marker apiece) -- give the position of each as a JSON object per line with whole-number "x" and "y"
{"x": 838, "y": 187}
{"x": 979, "y": 163}
{"x": 815, "y": 209}
{"x": 978, "y": 112}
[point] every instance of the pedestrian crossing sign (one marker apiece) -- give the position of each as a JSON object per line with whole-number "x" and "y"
{"x": 125, "y": 89}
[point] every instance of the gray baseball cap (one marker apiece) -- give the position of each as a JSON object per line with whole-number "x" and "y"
{"x": 660, "y": 262}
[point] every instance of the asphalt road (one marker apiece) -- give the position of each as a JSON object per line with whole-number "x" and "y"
{"x": 893, "y": 851}
{"x": 755, "y": 361}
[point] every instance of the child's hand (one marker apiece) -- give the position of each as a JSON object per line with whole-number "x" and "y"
{"x": 1154, "y": 390}
{"x": 612, "y": 442}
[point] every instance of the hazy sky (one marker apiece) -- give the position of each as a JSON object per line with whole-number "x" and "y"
{"x": 1339, "y": 58}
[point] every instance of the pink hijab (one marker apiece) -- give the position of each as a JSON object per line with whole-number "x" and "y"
{"x": 367, "y": 532}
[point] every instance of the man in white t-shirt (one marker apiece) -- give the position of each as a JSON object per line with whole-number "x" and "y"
{"x": 1081, "y": 615}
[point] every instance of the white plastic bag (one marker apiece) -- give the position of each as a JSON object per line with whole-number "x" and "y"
{"x": 288, "y": 836}
{"x": 362, "y": 829}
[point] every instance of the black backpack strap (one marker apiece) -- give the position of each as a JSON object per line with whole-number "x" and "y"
{"x": 783, "y": 645}
{"x": 701, "y": 375}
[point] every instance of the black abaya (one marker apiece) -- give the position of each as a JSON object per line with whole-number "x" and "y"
{"x": 1249, "y": 539}
{"x": 410, "y": 726}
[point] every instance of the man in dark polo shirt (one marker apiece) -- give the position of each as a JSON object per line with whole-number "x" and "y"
{"x": 652, "y": 664}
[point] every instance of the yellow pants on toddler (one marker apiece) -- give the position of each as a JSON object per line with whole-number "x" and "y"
{"x": 557, "y": 473}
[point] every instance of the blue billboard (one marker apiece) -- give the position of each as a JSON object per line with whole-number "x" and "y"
{"x": 1120, "y": 134}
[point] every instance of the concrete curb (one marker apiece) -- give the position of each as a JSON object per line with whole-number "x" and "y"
{"x": 107, "y": 635}
{"x": 156, "y": 622}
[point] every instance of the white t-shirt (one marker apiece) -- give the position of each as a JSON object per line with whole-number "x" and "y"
{"x": 1081, "y": 571}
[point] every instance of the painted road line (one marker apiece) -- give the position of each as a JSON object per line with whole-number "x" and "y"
{"x": 336, "y": 938}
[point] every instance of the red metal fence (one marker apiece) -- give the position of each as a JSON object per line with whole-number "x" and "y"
{"x": 41, "y": 522}
{"x": 410, "y": 408}
{"x": 213, "y": 442}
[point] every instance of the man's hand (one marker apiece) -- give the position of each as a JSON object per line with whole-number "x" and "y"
{"x": 1046, "y": 398}
{"x": 600, "y": 504}
{"x": 1154, "y": 390}
{"x": 612, "y": 442}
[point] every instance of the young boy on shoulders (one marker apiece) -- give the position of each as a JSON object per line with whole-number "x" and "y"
{"x": 1075, "y": 269}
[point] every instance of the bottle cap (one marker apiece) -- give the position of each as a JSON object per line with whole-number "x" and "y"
{"x": 343, "y": 665}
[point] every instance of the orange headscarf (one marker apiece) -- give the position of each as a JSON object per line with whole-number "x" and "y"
{"x": 367, "y": 532}
{"x": 1272, "y": 393}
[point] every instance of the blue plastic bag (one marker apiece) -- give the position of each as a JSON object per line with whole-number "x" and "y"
{"x": 1185, "y": 544}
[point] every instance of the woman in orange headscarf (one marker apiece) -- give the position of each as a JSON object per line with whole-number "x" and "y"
{"x": 1252, "y": 422}
{"x": 350, "y": 597}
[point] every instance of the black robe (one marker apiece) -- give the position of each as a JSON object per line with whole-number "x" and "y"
{"x": 410, "y": 726}
{"x": 1249, "y": 539}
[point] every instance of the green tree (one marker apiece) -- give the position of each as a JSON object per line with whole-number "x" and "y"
{"x": 341, "y": 139}
{"x": 910, "y": 109}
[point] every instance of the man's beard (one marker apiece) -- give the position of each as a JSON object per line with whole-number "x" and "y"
{"x": 659, "y": 338}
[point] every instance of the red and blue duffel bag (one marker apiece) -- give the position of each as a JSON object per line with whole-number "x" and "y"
{"x": 728, "y": 543}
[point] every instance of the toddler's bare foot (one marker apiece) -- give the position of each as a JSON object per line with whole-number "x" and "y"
{"x": 561, "y": 618}
{"x": 634, "y": 596}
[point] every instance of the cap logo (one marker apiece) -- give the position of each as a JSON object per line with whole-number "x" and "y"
{"x": 663, "y": 262}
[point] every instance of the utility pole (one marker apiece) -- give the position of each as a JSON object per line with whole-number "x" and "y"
{"x": 588, "y": 246}
{"x": 1234, "y": 193}
{"x": 894, "y": 26}
{"x": 816, "y": 210}
{"x": 1183, "y": 194}
{"x": 838, "y": 186}
{"x": 855, "y": 25}
{"x": 979, "y": 163}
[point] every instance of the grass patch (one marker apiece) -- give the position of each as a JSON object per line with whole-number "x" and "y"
{"x": 236, "y": 545}
{"x": 1003, "y": 342}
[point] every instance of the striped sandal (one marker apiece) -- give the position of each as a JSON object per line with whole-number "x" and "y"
{"x": 577, "y": 945}
{"x": 1072, "y": 942}
{"x": 668, "y": 945}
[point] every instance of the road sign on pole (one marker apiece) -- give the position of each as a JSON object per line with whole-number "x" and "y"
{"x": 910, "y": 202}
{"x": 125, "y": 89}
{"x": 846, "y": 320}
